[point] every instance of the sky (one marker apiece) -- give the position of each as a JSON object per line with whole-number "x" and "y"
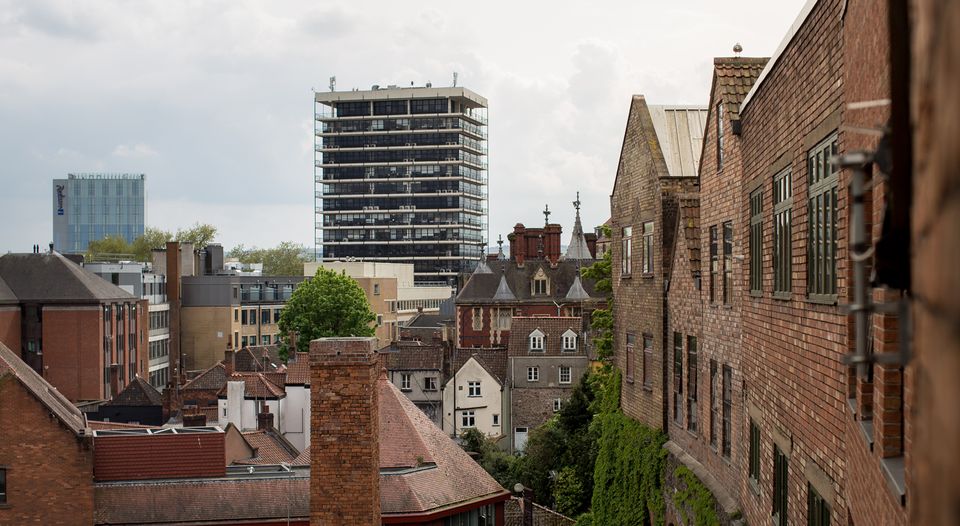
{"x": 213, "y": 100}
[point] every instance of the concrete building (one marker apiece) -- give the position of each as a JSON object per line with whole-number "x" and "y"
{"x": 85, "y": 335}
{"x": 474, "y": 396}
{"x": 90, "y": 207}
{"x": 401, "y": 176}
{"x": 547, "y": 358}
{"x": 136, "y": 279}
{"x": 392, "y": 291}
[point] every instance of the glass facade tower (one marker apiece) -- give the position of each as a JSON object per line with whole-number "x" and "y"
{"x": 90, "y": 207}
{"x": 401, "y": 177}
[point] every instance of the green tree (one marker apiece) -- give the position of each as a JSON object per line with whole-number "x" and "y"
{"x": 110, "y": 248}
{"x": 498, "y": 463}
{"x": 152, "y": 238}
{"x": 568, "y": 492}
{"x": 200, "y": 235}
{"x": 326, "y": 305}
{"x": 286, "y": 259}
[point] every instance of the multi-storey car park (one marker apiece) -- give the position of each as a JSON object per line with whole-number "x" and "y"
{"x": 401, "y": 176}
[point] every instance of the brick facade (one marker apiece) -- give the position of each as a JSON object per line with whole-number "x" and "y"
{"x": 49, "y": 469}
{"x": 344, "y": 422}
{"x": 10, "y": 326}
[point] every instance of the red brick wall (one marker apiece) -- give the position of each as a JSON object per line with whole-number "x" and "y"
{"x": 487, "y": 336}
{"x": 164, "y": 456}
{"x": 794, "y": 380}
{"x": 49, "y": 471}
{"x": 345, "y": 435}
{"x": 10, "y": 327}
{"x": 73, "y": 350}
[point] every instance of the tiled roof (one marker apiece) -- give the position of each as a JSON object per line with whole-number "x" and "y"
{"x": 139, "y": 392}
{"x": 303, "y": 459}
{"x": 215, "y": 500}
{"x": 257, "y": 386}
{"x": 6, "y": 294}
{"x": 552, "y": 327}
{"x": 52, "y": 278}
{"x": 542, "y": 516}
{"x": 47, "y": 394}
{"x": 412, "y": 356}
{"x": 298, "y": 372}
{"x": 482, "y": 288}
{"x": 735, "y": 76}
{"x": 257, "y": 358}
{"x": 493, "y": 360}
{"x": 214, "y": 377}
{"x": 430, "y": 321}
{"x": 270, "y": 448}
{"x": 454, "y": 479}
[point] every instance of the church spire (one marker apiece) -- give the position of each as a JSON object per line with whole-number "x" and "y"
{"x": 578, "y": 250}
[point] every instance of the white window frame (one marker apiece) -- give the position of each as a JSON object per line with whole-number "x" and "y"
{"x": 405, "y": 381}
{"x": 533, "y": 374}
{"x": 557, "y": 404}
{"x": 568, "y": 370}
{"x": 496, "y": 420}
{"x": 473, "y": 389}
{"x": 536, "y": 341}
{"x": 430, "y": 383}
{"x": 468, "y": 419}
{"x": 569, "y": 341}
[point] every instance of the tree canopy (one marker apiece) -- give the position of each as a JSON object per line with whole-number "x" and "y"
{"x": 199, "y": 234}
{"x": 116, "y": 248}
{"x": 286, "y": 259}
{"x": 327, "y": 305}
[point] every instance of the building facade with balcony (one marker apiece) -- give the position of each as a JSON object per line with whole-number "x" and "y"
{"x": 401, "y": 177}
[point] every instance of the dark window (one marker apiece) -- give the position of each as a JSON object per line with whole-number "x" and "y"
{"x": 727, "y": 262}
{"x": 692, "y": 383}
{"x": 756, "y": 241}
{"x": 822, "y": 220}
{"x": 647, "y": 360}
{"x": 428, "y": 106}
{"x": 782, "y": 229}
{"x": 677, "y": 377}
{"x": 719, "y": 136}
{"x": 780, "y": 472}
{"x": 353, "y": 109}
{"x": 714, "y": 264}
{"x": 3, "y": 486}
{"x": 389, "y": 107}
{"x": 754, "y": 471}
{"x": 818, "y": 511}
{"x": 714, "y": 409}
{"x": 265, "y": 316}
{"x": 626, "y": 251}
{"x": 648, "y": 247}
{"x": 631, "y": 339}
{"x": 727, "y": 409}
{"x": 243, "y": 317}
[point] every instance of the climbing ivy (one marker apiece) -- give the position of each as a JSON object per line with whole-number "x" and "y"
{"x": 692, "y": 497}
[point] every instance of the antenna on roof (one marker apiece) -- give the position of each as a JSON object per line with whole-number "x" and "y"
{"x": 455, "y": 75}
{"x": 737, "y": 49}
{"x": 333, "y": 83}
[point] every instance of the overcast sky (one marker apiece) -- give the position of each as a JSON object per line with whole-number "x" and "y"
{"x": 212, "y": 100}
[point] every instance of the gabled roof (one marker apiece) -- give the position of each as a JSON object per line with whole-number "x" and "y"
{"x": 257, "y": 358}
{"x": 270, "y": 448}
{"x": 214, "y": 377}
{"x": 494, "y": 361}
{"x": 577, "y": 292}
{"x": 45, "y": 393}
{"x": 733, "y": 78}
{"x": 553, "y": 328}
{"x": 6, "y": 294}
{"x": 413, "y": 356}
{"x": 298, "y": 372}
{"x": 484, "y": 288}
{"x": 256, "y": 385}
{"x": 138, "y": 392}
{"x": 448, "y": 476}
{"x": 51, "y": 278}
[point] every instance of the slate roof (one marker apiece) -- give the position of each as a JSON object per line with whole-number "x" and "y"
{"x": 553, "y": 328}
{"x": 52, "y": 278}
{"x": 270, "y": 448}
{"x": 413, "y": 356}
{"x": 214, "y": 377}
{"x": 578, "y": 249}
{"x": 430, "y": 321}
{"x": 6, "y": 294}
{"x": 45, "y": 393}
{"x": 493, "y": 360}
{"x": 139, "y": 392}
{"x": 482, "y": 288}
{"x": 735, "y": 76}
{"x": 256, "y": 386}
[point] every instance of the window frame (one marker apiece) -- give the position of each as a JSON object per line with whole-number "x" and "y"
{"x": 626, "y": 251}
{"x": 756, "y": 241}
{"x": 430, "y": 383}
{"x": 781, "y": 498}
{"x": 533, "y": 373}
{"x": 629, "y": 355}
{"x": 569, "y": 342}
{"x": 726, "y": 413}
{"x": 476, "y": 320}
{"x": 647, "y": 360}
{"x": 536, "y": 342}
{"x": 495, "y": 420}
{"x": 713, "y": 404}
{"x": 647, "y": 232}
{"x": 692, "y": 381}
{"x": 714, "y": 263}
{"x": 473, "y": 389}
{"x": 678, "y": 378}
{"x": 822, "y": 192}
{"x": 818, "y": 510}
{"x": 783, "y": 233}
{"x": 405, "y": 382}
{"x": 753, "y": 465}
{"x": 557, "y": 404}
{"x": 465, "y": 415}
{"x": 727, "y": 263}
{"x": 569, "y": 371}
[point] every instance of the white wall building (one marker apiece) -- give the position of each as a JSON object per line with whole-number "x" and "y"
{"x": 473, "y": 396}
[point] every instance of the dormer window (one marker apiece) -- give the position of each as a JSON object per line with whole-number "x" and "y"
{"x": 569, "y": 341}
{"x": 540, "y": 285}
{"x": 536, "y": 341}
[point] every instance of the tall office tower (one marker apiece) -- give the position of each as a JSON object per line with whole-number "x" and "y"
{"x": 401, "y": 177}
{"x": 90, "y": 207}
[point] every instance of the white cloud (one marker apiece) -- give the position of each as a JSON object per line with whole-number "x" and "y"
{"x": 137, "y": 151}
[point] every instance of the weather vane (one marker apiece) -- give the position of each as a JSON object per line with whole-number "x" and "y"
{"x": 546, "y": 214}
{"x": 576, "y": 204}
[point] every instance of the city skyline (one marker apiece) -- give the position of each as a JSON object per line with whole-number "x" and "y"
{"x": 212, "y": 102}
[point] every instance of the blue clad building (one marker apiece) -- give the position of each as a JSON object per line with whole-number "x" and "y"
{"x": 90, "y": 207}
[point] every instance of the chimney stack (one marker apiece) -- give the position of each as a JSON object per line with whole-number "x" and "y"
{"x": 265, "y": 418}
{"x": 229, "y": 361}
{"x": 345, "y": 432}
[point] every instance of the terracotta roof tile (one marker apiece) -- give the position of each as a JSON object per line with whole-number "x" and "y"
{"x": 214, "y": 377}
{"x": 734, "y": 76}
{"x": 256, "y": 386}
{"x": 298, "y": 372}
{"x": 552, "y": 327}
{"x": 493, "y": 360}
{"x": 270, "y": 448}
{"x": 139, "y": 392}
{"x": 414, "y": 356}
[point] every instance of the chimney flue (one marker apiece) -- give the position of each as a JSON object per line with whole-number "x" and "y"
{"x": 265, "y": 418}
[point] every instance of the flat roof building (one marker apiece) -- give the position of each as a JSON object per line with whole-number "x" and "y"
{"x": 90, "y": 207}
{"x": 401, "y": 176}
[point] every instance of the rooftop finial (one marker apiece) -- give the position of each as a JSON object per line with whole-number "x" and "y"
{"x": 737, "y": 49}
{"x": 576, "y": 204}
{"x": 546, "y": 214}
{"x": 499, "y": 246}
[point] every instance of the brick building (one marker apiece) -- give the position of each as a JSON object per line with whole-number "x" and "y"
{"x": 658, "y": 163}
{"x": 547, "y": 357}
{"x": 83, "y": 334}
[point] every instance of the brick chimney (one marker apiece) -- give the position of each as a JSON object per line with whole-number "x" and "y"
{"x": 344, "y": 432}
{"x": 192, "y": 417}
{"x": 172, "y": 267}
{"x": 229, "y": 361}
{"x": 265, "y": 419}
